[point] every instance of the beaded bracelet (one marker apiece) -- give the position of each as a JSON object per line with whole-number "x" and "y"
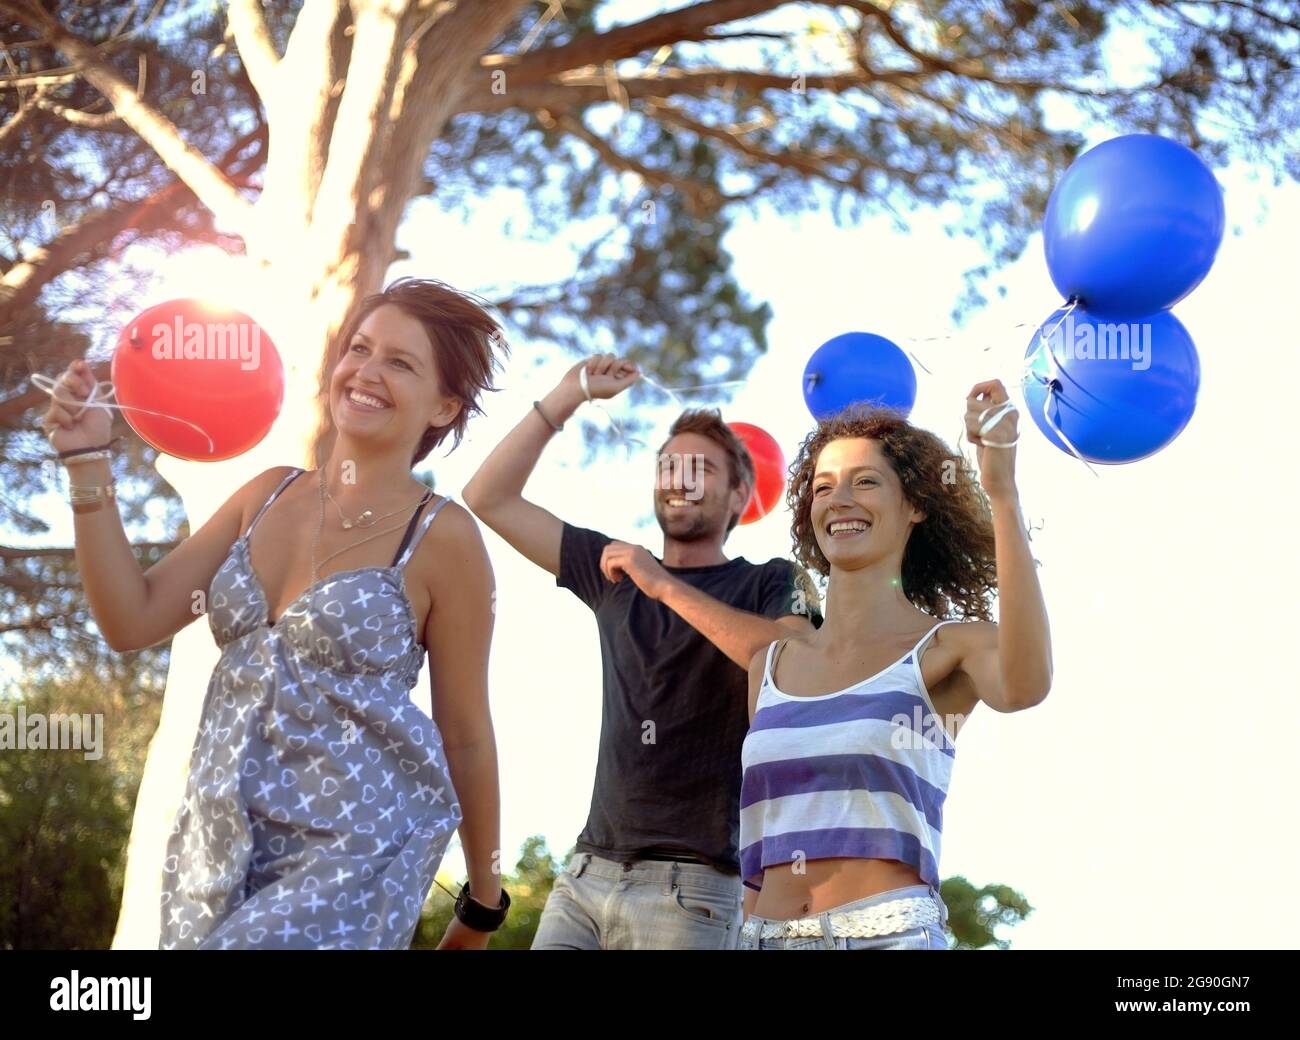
{"x": 87, "y": 456}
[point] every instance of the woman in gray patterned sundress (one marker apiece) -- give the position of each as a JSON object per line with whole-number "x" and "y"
{"x": 320, "y": 798}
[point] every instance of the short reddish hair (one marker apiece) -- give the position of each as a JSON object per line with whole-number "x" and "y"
{"x": 465, "y": 339}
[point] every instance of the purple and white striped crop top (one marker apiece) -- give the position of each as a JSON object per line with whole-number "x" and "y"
{"x": 862, "y": 772}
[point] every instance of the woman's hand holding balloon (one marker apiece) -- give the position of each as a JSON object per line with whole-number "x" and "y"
{"x": 992, "y": 426}
{"x": 68, "y": 422}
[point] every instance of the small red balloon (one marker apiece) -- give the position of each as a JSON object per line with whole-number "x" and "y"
{"x": 198, "y": 365}
{"x": 769, "y": 470}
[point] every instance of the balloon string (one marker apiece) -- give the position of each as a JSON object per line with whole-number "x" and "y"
{"x": 43, "y": 382}
{"x": 1054, "y": 383}
{"x": 670, "y": 391}
{"x": 951, "y": 336}
{"x": 958, "y": 335}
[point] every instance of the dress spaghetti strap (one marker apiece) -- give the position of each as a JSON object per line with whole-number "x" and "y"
{"x": 774, "y": 652}
{"x": 919, "y": 649}
{"x": 274, "y": 495}
{"x": 410, "y": 527}
{"x": 403, "y": 556}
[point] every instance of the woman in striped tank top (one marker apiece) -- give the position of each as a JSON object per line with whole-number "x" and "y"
{"x": 851, "y": 745}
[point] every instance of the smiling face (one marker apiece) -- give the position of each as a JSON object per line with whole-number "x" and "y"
{"x": 692, "y": 498}
{"x": 386, "y": 386}
{"x": 858, "y": 512}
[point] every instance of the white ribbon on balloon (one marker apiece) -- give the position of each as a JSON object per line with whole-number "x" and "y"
{"x": 51, "y": 386}
{"x": 1054, "y": 383}
{"x": 671, "y": 391}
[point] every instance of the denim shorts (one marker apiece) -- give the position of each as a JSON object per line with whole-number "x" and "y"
{"x": 601, "y": 904}
{"x": 922, "y": 937}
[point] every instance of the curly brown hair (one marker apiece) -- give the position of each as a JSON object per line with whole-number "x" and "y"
{"x": 949, "y": 560}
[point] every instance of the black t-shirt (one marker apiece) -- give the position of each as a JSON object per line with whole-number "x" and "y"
{"x": 674, "y": 708}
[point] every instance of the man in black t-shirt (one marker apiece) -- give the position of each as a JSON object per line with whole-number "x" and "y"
{"x": 656, "y": 865}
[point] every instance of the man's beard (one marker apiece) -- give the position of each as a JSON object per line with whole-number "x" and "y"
{"x": 691, "y": 528}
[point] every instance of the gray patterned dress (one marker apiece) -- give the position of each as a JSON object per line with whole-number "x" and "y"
{"x": 318, "y": 804}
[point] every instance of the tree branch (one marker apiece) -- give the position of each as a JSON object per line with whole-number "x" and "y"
{"x": 372, "y": 71}
{"x": 581, "y": 88}
{"x": 434, "y": 70}
{"x": 33, "y": 625}
{"x": 253, "y": 40}
{"x": 314, "y": 61}
{"x": 626, "y": 41}
{"x": 698, "y": 196}
{"x": 154, "y": 128}
{"x": 803, "y": 163}
{"x": 36, "y": 79}
{"x": 25, "y": 110}
{"x": 973, "y": 70}
{"x": 14, "y": 552}
{"x": 23, "y": 281}
{"x": 76, "y": 117}
{"x": 1258, "y": 12}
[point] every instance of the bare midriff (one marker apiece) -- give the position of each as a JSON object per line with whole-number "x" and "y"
{"x": 827, "y": 883}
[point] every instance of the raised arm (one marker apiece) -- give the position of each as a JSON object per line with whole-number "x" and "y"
{"x": 134, "y": 608}
{"x": 495, "y": 494}
{"x": 1009, "y": 664}
{"x": 734, "y": 631}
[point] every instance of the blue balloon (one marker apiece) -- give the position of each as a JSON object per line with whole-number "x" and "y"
{"x": 1118, "y": 390}
{"x": 854, "y": 367}
{"x": 1133, "y": 226}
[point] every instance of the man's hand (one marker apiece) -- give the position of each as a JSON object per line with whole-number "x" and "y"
{"x": 637, "y": 563}
{"x": 607, "y": 376}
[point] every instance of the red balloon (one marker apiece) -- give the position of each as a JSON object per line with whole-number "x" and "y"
{"x": 769, "y": 470}
{"x": 211, "y": 366}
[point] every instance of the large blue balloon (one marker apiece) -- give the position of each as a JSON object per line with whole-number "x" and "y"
{"x": 1133, "y": 226}
{"x": 858, "y": 366}
{"x": 1119, "y": 391}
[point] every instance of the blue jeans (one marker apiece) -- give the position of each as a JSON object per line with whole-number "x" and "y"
{"x": 601, "y": 904}
{"x": 922, "y": 937}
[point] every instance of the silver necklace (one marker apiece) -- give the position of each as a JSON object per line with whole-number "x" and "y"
{"x": 367, "y": 517}
{"x": 320, "y": 526}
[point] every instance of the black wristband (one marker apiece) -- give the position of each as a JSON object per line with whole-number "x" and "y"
{"x": 85, "y": 451}
{"x": 475, "y": 915}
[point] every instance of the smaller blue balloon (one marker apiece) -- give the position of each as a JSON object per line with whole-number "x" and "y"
{"x": 858, "y": 367}
{"x": 1133, "y": 226}
{"x": 1118, "y": 390}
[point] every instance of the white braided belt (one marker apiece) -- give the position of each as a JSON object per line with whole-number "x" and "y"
{"x": 897, "y": 915}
